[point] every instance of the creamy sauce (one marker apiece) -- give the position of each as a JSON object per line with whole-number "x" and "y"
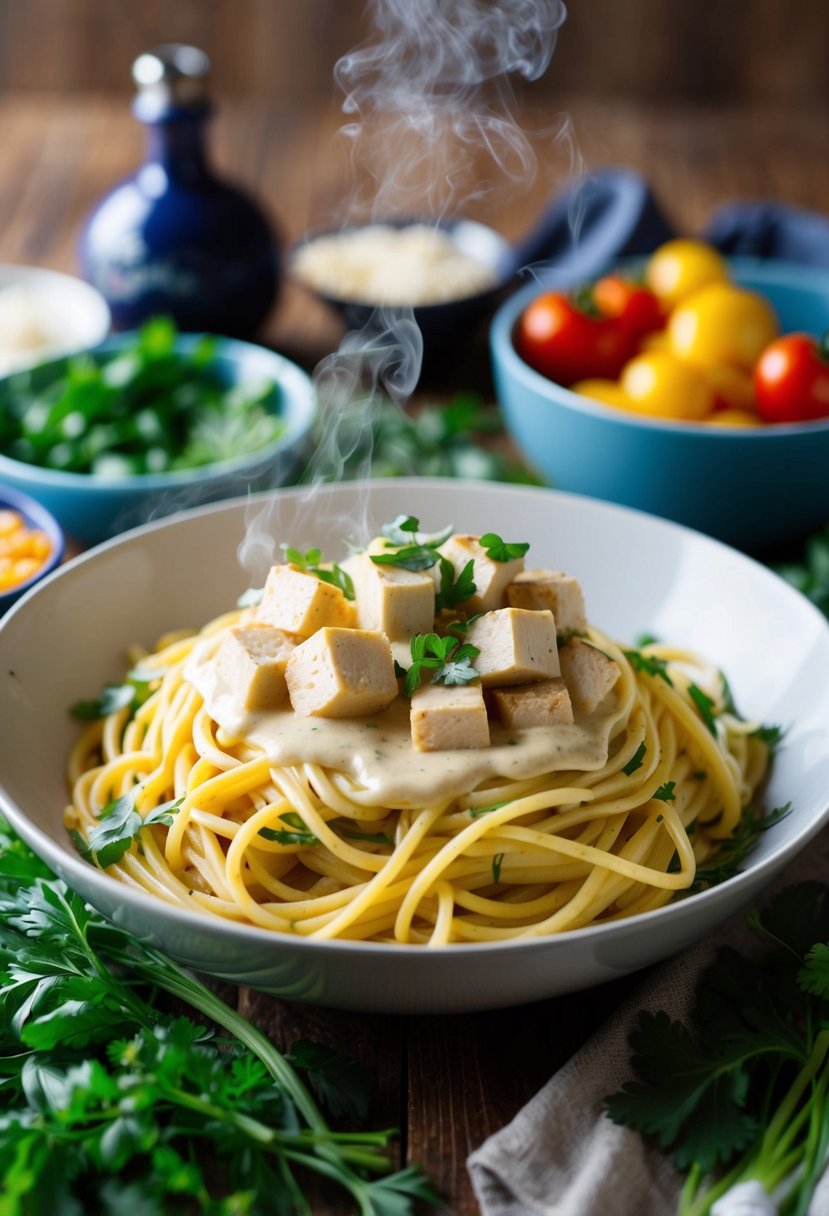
{"x": 377, "y": 751}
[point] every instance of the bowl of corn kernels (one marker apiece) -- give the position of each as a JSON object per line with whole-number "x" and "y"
{"x": 31, "y": 544}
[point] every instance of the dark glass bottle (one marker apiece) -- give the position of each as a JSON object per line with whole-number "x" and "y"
{"x": 174, "y": 238}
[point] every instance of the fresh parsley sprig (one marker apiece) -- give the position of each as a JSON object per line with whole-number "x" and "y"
{"x": 500, "y": 550}
{"x": 112, "y": 1104}
{"x": 135, "y": 690}
{"x": 739, "y": 1092}
{"x": 119, "y": 824}
{"x": 649, "y": 664}
{"x": 310, "y": 561}
{"x": 449, "y": 658}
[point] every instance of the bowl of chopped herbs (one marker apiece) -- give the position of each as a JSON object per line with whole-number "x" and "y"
{"x": 151, "y": 422}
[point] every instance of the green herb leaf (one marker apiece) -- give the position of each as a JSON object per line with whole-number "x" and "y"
{"x": 665, "y": 793}
{"x": 502, "y": 551}
{"x": 635, "y": 761}
{"x": 310, "y": 560}
{"x": 772, "y": 736}
{"x": 649, "y": 664}
{"x": 706, "y": 706}
{"x": 497, "y": 862}
{"x": 454, "y": 588}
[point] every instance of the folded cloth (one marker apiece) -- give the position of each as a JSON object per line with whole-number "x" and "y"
{"x": 612, "y": 214}
{"x": 561, "y": 1155}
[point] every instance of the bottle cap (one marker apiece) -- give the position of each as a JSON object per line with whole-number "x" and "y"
{"x": 173, "y": 75}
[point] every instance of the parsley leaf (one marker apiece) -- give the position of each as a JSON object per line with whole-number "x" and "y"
{"x": 113, "y": 697}
{"x": 448, "y": 657}
{"x": 635, "y": 761}
{"x": 502, "y": 551}
{"x": 706, "y": 706}
{"x": 310, "y": 560}
{"x": 733, "y": 851}
{"x": 295, "y": 833}
{"x": 119, "y": 823}
{"x": 665, "y": 793}
{"x": 454, "y": 588}
{"x": 112, "y": 1103}
{"x": 772, "y": 736}
{"x": 650, "y": 664}
{"x": 497, "y": 861}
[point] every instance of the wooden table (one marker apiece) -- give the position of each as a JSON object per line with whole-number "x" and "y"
{"x": 447, "y": 1082}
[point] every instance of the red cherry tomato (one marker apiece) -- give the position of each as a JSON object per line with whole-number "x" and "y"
{"x": 567, "y": 344}
{"x": 634, "y": 305}
{"x": 791, "y": 379}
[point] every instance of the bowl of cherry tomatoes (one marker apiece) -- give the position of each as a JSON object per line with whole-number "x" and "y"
{"x": 687, "y": 385}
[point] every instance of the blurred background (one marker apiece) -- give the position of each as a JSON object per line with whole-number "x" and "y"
{"x": 709, "y": 101}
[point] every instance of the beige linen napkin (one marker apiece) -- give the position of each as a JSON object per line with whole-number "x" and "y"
{"x": 561, "y": 1156}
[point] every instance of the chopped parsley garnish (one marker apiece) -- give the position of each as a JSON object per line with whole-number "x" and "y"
{"x": 297, "y": 835}
{"x": 665, "y": 793}
{"x": 410, "y": 549}
{"x": 449, "y": 658}
{"x": 649, "y": 664}
{"x": 772, "y": 736}
{"x": 454, "y": 588}
{"x": 500, "y": 550}
{"x": 706, "y": 706}
{"x": 310, "y": 562}
{"x": 119, "y": 824}
{"x": 635, "y": 761}
{"x": 133, "y": 693}
{"x": 496, "y": 867}
{"x": 475, "y": 812}
{"x": 733, "y": 852}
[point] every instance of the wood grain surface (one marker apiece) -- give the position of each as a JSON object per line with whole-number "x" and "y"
{"x": 446, "y": 1082}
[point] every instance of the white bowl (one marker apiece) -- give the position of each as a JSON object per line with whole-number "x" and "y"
{"x": 71, "y": 314}
{"x": 65, "y": 638}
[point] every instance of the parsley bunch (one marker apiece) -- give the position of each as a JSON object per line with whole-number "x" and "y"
{"x": 742, "y": 1092}
{"x": 109, "y": 1104}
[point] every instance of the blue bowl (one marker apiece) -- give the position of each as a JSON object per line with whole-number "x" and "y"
{"x": 751, "y": 487}
{"x": 35, "y": 516}
{"x": 92, "y": 508}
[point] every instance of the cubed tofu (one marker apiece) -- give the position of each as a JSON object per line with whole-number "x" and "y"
{"x": 515, "y": 645}
{"x": 449, "y": 717}
{"x": 341, "y": 673}
{"x": 562, "y": 594}
{"x": 544, "y": 703}
{"x": 588, "y": 673}
{"x": 250, "y": 665}
{"x": 399, "y": 603}
{"x": 300, "y": 603}
{"x": 491, "y": 578}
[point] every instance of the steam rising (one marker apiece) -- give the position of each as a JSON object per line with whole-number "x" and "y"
{"x": 434, "y": 100}
{"x": 433, "y": 130}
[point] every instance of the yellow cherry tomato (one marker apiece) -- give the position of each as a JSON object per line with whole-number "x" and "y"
{"x": 679, "y": 267}
{"x": 733, "y": 389}
{"x": 722, "y": 324}
{"x": 734, "y": 418}
{"x": 609, "y": 392}
{"x": 659, "y": 384}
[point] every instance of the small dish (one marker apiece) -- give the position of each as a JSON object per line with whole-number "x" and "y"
{"x": 44, "y": 314}
{"x": 34, "y": 516}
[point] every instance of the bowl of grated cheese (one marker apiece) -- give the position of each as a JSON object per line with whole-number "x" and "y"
{"x": 450, "y": 274}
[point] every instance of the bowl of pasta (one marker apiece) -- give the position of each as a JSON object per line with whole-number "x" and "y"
{"x": 351, "y": 746}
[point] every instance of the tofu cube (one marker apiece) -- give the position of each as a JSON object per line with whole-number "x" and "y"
{"x": 562, "y": 594}
{"x": 399, "y": 603}
{"x": 250, "y": 664}
{"x": 298, "y": 602}
{"x": 516, "y": 645}
{"x": 491, "y": 578}
{"x": 449, "y": 717}
{"x": 341, "y": 673}
{"x": 588, "y": 673}
{"x": 544, "y": 703}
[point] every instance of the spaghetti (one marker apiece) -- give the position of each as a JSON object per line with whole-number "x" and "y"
{"x": 299, "y": 846}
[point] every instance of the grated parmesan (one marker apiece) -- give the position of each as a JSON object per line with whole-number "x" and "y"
{"x": 379, "y": 264}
